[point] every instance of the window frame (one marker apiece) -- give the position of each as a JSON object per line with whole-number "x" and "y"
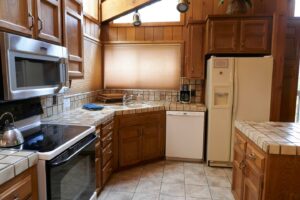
{"x": 145, "y": 24}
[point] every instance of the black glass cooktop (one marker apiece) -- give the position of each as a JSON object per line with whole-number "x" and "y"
{"x": 47, "y": 137}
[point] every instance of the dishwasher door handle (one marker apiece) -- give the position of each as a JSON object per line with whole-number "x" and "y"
{"x": 189, "y": 114}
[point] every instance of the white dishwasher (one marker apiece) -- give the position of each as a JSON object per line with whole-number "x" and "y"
{"x": 185, "y": 135}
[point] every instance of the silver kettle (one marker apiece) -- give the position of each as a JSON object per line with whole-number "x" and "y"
{"x": 10, "y": 136}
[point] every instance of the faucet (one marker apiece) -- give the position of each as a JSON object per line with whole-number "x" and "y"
{"x": 127, "y": 98}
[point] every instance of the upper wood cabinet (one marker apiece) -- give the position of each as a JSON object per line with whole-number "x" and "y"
{"x": 195, "y": 61}
{"x": 48, "y": 20}
{"x": 73, "y": 36}
{"x": 17, "y": 16}
{"x": 249, "y": 35}
{"x": 40, "y": 19}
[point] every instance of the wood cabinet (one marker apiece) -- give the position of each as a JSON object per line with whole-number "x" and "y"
{"x": 141, "y": 138}
{"x": 104, "y": 154}
{"x": 22, "y": 187}
{"x": 73, "y": 36}
{"x": 261, "y": 176}
{"x": 48, "y": 20}
{"x": 248, "y": 35}
{"x": 195, "y": 55}
{"x": 40, "y": 19}
{"x": 17, "y": 16}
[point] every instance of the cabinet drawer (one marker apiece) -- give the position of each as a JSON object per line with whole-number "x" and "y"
{"x": 255, "y": 158}
{"x": 240, "y": 142}
{"x": 21, "y": 190}
{"x": 107, "y": 128}
{"x": 106, "y": 154}
{"x": 107, "y": 139}
{"x": 138, "y": 120}
{"x": 106, "y": 172}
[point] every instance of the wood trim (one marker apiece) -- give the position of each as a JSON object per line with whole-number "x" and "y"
{"x": 91, "y": 18}
{"x": 145, "y": 42}
{"x": 96, "y": 40}
{"x": 112, "y": 9}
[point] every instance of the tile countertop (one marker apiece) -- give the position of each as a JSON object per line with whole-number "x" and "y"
{"x": 14, "y": 162}
{"x": 95, "y": 118}
{"x": 273, "y": 137}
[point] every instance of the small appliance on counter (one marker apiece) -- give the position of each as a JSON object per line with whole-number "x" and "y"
{"x": 185, "y": 92}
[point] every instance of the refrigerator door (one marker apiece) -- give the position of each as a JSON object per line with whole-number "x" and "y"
{"x": 252, "y": 90}
{"x": 219, "y": 100}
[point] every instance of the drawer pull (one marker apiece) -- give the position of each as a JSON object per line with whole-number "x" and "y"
{"x": 242, "y": 165}
{"x": 252, "y": 156}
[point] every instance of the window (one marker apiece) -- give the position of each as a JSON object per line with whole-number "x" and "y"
{"x": 142, "y": 66}
{"x": 162, "y": 11}
{"x": 297, "y": 8}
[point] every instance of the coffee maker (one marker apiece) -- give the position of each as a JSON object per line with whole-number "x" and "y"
{"x": 185, "y": 91}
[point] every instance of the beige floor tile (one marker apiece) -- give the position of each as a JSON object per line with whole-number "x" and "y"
{"x": 199, "y": 170}
{"x": 195, "y": 179}
{"x": 151, "y": 186}
{"x": 142, "y": 196}
{"x": 192, "y": 198}
{"x": 173, "y": 168}
{"x": 219, "y": 193}
{"x": 173, "y": 189}
{"x": 119, "y": 196}
{"x": 166, "y": 197}
{"x": 197, "y": 191}
{"x": 218, "y": 181}
{"x": 214, "y": 171}
{"x": 125, "y": 186}
{"x": 171, "y": 177}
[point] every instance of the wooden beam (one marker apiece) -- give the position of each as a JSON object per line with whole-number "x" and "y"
{"x": 278, "y": 52}
{"x": 111, "y": 9}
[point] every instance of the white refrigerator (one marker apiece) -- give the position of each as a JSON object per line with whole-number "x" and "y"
{"x": 236, "y": 89}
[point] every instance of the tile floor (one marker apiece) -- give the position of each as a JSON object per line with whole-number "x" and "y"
{"x": 168, "y": 180}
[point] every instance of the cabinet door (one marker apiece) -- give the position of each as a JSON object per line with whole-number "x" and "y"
{"x": 195, "y": 47}
{"x": 151, "y": 141}
{"x": 223, "y": 36}
{"x": 73, "y": 36}
{"x": 237, "y": 172}
{"x": 16, "y": 16}
{"x": 130, "y": 146}
{"x": 252, "y": 191}
{"x": 255, "y": 36}
{"x": 98, "y": 175}
{"x": 48, "y": 20}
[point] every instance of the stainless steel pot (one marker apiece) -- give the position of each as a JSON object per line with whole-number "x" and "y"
{"x": 10, "y": 136}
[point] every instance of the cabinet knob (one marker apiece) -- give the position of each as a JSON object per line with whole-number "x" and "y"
{"x": 242, "y": 164}
{"x": 16, "y": 197}
{"x": 252, "y": 156}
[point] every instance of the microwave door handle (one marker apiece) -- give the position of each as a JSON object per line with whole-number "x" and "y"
{"x": 64, "y": 66}
{"x": 56, "y": 164}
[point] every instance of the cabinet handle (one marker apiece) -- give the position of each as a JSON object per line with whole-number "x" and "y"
{"x": 242, "y": 164}
{"x": 41, "y": 24}
{"x": 32, "y": 20}
{"x": 252, "y": 156}
{"x": 16, "y": 197}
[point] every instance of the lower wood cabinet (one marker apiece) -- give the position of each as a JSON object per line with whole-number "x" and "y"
{"x": 141, "y": 137}
{"x": 261, "y": 176}
{"x": 22, "y": 187}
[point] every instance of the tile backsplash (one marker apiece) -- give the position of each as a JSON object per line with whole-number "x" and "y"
{"x": 53, "y": 105}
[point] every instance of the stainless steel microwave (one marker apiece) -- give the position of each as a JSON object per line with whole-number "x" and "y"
{"x": 31, "y": 68}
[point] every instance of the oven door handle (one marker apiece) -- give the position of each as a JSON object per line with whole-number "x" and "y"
{"x": 56, "y": 164}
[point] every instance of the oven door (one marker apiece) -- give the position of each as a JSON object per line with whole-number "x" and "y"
{"x": 71, "y": 175}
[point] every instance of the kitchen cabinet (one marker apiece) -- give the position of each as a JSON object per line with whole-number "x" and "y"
{"x": 248, "y": 35}
{"x": 141, "y": 138}
{"x": 17, "y": 16}
{"x": 261, "y": 176}
{"x": 104, "y": 154}
{"x": 73, "y": 36}
{"x": 23, "y": 187}
{"x": 195, "y": 60}
{"x": 40, "y": 19}
{"x": 48, "y": 20}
